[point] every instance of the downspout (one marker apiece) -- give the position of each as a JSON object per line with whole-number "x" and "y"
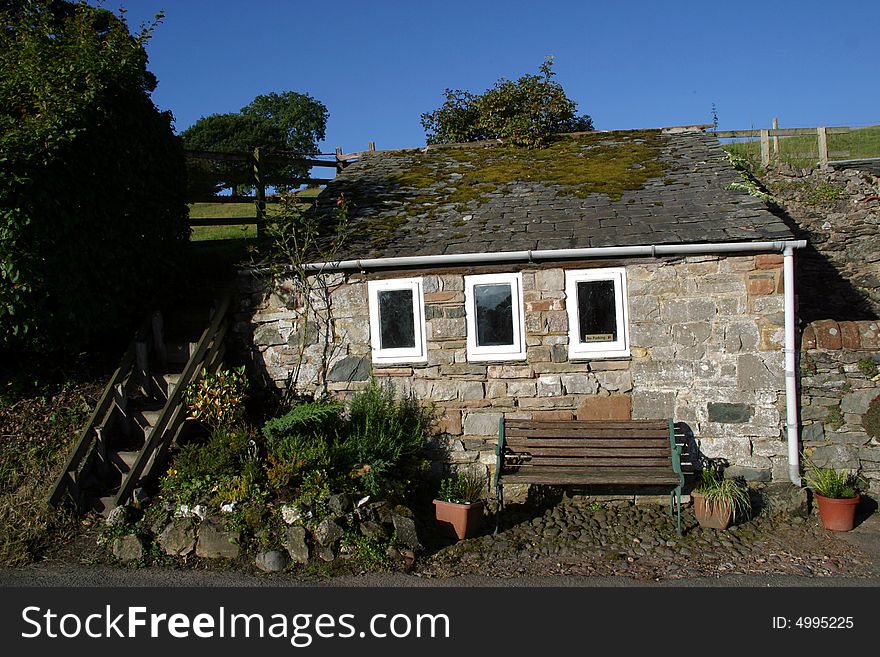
{"x": 791, "y": 405}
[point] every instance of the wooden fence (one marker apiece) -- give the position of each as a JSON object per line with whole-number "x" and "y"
{"x": 770, "y": 137}
{"x": 257, "y": 161}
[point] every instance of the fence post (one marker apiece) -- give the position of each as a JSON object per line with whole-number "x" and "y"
{"x": 775, "y": 139}
{"x": 260, "y": 191}
{"x": 765, "y": 148}
{"x": 823, "y": 145}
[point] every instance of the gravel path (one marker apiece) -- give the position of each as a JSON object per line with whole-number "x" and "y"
{"x": 571, "y": 544}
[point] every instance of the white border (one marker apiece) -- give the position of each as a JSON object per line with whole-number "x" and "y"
{"x": 610, "y": 349}
{"x": 514, "y": 351}
{"x": 416, "y": 354}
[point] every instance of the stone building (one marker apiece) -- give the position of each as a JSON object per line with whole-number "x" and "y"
{"x": 612, "y": 275}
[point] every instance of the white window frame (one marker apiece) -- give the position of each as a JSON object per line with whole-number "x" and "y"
{"x": 612, "y": 348}
{"x": 514, "y": 351}
{"x": 415, "y": 354}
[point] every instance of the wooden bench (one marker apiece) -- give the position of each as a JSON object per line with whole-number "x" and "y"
{"x": 586, "y": 453}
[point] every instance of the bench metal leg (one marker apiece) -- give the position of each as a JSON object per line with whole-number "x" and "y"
{"x": 676, "y": 500}
{"x": 499, "y": 497}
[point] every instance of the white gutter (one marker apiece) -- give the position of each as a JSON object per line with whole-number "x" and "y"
{"x": 787, "y": 247}
{"x": 791, "y": 401}
{"x": 557, "y": 254}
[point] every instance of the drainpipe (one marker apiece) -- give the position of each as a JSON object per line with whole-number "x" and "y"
{"x": 791, "y": 405}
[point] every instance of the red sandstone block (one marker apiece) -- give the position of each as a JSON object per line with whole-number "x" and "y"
{"x": 768, "y": 261}
{"x": 613, "y": 407}
{"x": 552, "y": 415}
{"x": 849, "y": 336}
{"x": 869, "y": 335}
{"x": 827, "y": 334}
{"x": 762, "y": 284}
{"x": 808, "y": 338}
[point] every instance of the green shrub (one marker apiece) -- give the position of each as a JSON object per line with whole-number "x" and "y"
{"x": 317, "y": 418}
{"x": 385, "y": 439}
{"x": 201, "y": 469}
{"x": 217, "y": 400}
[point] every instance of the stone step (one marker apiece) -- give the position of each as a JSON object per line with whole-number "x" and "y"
{"x": 171, "y": 379}
{"x": 124, "y": 460}
{"x": 177, "y": 352}
{"x": 102, "y": 505}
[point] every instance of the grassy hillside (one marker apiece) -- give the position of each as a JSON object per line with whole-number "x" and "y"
{"x": 803, "y": 150}
{"x": 243, "y": 211}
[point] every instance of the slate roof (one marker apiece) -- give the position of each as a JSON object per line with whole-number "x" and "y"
{"x": 690, "y": 202}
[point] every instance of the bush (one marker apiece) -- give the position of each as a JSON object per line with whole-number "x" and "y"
{"x": 217, "y": 400}
{"x": 200, "y": 469}
{"x": 385, "y": 439}
{"x": 91, "y": 174}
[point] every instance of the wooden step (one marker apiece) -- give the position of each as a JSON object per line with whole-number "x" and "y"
{"x": 123, "y": 460}
{"x": 102, "y": 505}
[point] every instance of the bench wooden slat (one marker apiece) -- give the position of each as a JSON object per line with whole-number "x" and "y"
{"x": 556, "y": 450}
{"x": 585, "y": 424}
{"x": 594, "y": 433}
{"x": 602, "y": 443}
{"x": 636, "y": 462}
{"x": 609, "y": 476}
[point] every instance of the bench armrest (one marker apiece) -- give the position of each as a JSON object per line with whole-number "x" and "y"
{"x": 499, "y": 451}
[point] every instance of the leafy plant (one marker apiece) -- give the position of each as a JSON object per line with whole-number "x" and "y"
{"x": 217, "y": 400}
{"x": 720, "y": 492}
{"x": 321, "y": 418}
{"x": 385, "y": 438}
{"x": 829, "y": 482}
{"x": 465, "y": 487}
{"x": 91, "y": 173}
{"x": 526, "y": 113}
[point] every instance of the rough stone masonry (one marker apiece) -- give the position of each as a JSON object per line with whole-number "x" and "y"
{"x": 706, "y": 349}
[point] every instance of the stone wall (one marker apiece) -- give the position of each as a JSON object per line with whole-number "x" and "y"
{"x": 838, "y": 213}
{"x": 706, "y": 336}
{"x": 838, "y": 380}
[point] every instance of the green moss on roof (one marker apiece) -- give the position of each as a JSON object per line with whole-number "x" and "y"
{"x": 596, "y": 163}
{"x": 467, "y": 177}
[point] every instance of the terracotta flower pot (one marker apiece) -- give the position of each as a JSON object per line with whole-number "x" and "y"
{"x": 711, "y": 516}
{"x": 837, "y": 514}
{"x": 459, "y": 520}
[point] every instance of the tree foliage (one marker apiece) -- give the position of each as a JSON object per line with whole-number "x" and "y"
{"x": 527, "y": 113}
{"x": 290, "y": 122}
{"x": 92, "y": 178}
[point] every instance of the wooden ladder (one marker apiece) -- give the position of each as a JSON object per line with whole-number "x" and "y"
{"x": 139, "y": 415}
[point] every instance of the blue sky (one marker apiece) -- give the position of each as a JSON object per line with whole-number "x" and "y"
{"x": 377, "y": 65}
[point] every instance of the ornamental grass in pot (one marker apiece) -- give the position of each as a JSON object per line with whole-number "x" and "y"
{"x": 460, "y": 504}
{"x": 837, "y": 495}
{"x": 719, "y": 501}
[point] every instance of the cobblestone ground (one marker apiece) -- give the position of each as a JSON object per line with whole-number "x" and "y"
{"x": 577, "y": 538}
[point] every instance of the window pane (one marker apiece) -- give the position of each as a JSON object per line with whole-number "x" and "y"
{"x": 597, "y": 313}
{"x": 494, "y": 306}
{"x": 396, "y": 321}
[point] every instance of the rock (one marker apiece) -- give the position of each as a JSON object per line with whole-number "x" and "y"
{"x": 326, "y": 554}
{"x": 405, "y": 529}
{"x": 729, "y": 413}
{"x": 339, "y": 504}
{"x": 373, "y": 530}
{"x": 128, "y": 548}
{"x": 290, "y": 514}
{"x": 351, "y": 368}
{"x": 272, "y": 561}
{"x": 296, "y": 544}
{"x": 217, "y": 543}
{"x": 328, "y": 532}
{"x": 119, "y": 516}
{"x": 178, "y": 538}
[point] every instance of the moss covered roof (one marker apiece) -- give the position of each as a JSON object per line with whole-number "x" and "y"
{"x": 596, "y": 189}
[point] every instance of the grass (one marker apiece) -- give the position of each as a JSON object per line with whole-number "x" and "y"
{"x": 224, "y": 210}
{"x": 803, "y": 150}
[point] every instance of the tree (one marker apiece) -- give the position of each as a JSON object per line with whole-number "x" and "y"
{"x": 527, "y": 112}
{"x": 92, "y": 184}
{"x": 289, "y": 122}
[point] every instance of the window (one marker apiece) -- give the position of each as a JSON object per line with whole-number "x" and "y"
{"x": 397, "y": 324}
{"x": 597, "y": 317}
{"x": 493, "y": 308}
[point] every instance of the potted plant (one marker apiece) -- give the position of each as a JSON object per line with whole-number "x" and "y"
{"x": 459, "y": 507}
{"x": 718, "y": 501}
{"x": 837, "y": 495}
